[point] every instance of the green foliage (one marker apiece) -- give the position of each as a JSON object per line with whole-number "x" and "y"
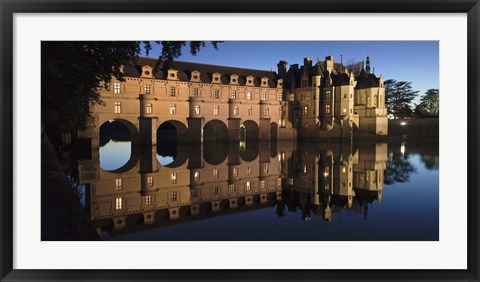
{"x": 72, "y": 71}
{"x": 398, "y": 97}
{"x": 429, "y": 104}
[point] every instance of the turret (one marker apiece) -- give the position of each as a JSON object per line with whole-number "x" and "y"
{"x": 367, "y": 68}
{"x": 282, "y": 68}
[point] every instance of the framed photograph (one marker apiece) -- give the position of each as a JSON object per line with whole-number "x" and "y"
{"x": 270, "y": 140}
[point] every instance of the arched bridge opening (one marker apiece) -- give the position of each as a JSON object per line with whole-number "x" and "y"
{"x": 171, "y": 135}
{"x": 118, "y": 149}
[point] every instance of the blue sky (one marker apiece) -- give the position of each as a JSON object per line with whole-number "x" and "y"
{"x": 414, "y": 61}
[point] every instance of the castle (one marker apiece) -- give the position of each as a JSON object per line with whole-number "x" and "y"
{"x": 199, "y": 102}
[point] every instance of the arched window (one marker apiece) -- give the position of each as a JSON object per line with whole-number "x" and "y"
{"x": 197, "y": 109}
{"x": 235, "y": 111}
{"x": 149, "y": 108}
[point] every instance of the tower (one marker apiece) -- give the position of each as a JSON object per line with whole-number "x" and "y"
{"x": 367, "y": 68}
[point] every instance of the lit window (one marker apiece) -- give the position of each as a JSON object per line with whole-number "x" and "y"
{"x": 118, "y": 107}
{"x": 234, "y": 94}
{"x": 279, "y": 96}
{"x": 173, "y": 178}
{"x": 173, "y": 91}
{"x": 215, "y": 173}
{"x": 279, "y": 182}
{"x": 266, "y": 112}
{"x": 216, "y": 189}
{"x": 235, "y": 171}
{"x": 216, "y": 110}
{"x": 249, "y": 95}
{"x": 148, "y": 200}
{"x": 250, "y": 111}
{"x": 173, "y": 109}
{"x": 248, "y": 185}
{"x": 197, "y": 110}
{"x": 216, "y": 93}
{"x": 118, "y": 204}
{"x": 194, "y": 193}
{"x": 265, "y": 168}
{"x": 149, "y": 108}
{"x": 118, "y": 184}
{"x": 174, "y": 196}
{"x": 344, "y": 110}
{"x": 262, "y": 184}
{"x": 195, "y": 92}
{"x": 146, "y": 89}
{"x": 150, "y": 180}
{"x": 327, "y": 109}
{"x": 235, "y": 111}
{"x": 374, "y": 177}
{"x": 327, "y": 94}
{"x": 249, "y": 170}
{"x": 233, "y": 187}
{"x": 305, "y": 110}
{"x": 197, "y": 175}
{"x": 116, "y": 88}
{"x": 304, "y": 168}
{"x": 263, "y": 96}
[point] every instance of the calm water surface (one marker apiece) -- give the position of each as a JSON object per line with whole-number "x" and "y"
{"x": 264, "y": 191}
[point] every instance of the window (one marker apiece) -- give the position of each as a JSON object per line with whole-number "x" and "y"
{"x": 195, "y": 92}
{"x": 216, "y": 93}
{"x": 173, "y": 91}
{"x": 216, "y": 189}
{"x": 304, "y": 83}
{"x": 249, "y": 95}
{"x": 196, "y": 175}
{"x": 150, "y": 181}
{"x": 174, "y": 196}
{"x": 250, "y": 111}
{"x": 374, "y": 177}
{"x": 279, "y": 96}
{"x": 148, "y": 200}
{"x": 194, "y": 193}
{"x": 233, "y": 187}
{"x": 197, "y": 110}
{"x": 305, "y": 110}
{"x": 149, "y": 108}
{"x": 173, "y": 109}
{"x": 215, "y": 173}
{"x": 234, "y": 94}
{"x": 118, "y": 203}
{"x": 146, "y": 89}
{"x": 235, "y": 111}
{"x": 344, "y": 110}
{"x": 249, "y": 170}
{"x": 327, "y": 109}
{"x": 173, "y": 178}
{"x": 216, "y": 110}
{"x": 328, "y": 94}
{"x": 304, "y": 96}
{"x": 304, "y": 168}
{"x": 116, "y": 88}
{"x": 265, "y": 168}
{"x": 262, "y": 183}
{"x": 351, "y": 96}
{"x": 279, "y": 182}
{"x": 266, "y": 112}
{"x": 248, "y": 185}
{"x": 118, "y": 107}
{"x": 118, "y": 184}
{"x": 263, "y": 96}
{"x": 235, "y": 171}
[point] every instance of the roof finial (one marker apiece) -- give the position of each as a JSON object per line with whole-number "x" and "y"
{"x": 367, "y": 68}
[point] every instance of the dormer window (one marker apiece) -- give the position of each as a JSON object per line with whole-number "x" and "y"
{"x": 147, "y": 72}
{"x": 234, "y": 79}
{"x": 172, "y": 74}
{"x": 216, "y": 78}
{"x": 280, "y": 83}
{"x": 249, "y": 81}
{"x": 195, "y": 76}
{"x": 264, "y": 82}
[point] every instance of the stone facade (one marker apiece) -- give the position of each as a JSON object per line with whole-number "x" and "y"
{"x": 325, "y": 100}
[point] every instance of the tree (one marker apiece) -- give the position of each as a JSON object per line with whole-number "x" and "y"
{"x": 72, "y": 71}
{"x": 398, "y": 169}
{"x": 398, "y": 96}
{"x": 429, "y": 104}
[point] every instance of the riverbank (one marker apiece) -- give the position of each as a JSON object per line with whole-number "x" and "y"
{"x": 63, "y": 217}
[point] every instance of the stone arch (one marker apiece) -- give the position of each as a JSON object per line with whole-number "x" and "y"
{"x": 171, "y": 135}
{"x": 111, "y": 127}
{"x": 215, "y": 130}
{"x": 215, "y": 147}
{"x": 249, "y": 131}
{"x": 249, "y": 152}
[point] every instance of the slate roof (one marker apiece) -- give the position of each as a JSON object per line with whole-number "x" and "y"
{"x": 185, "y": 70}
{"x": 366, "y": 80}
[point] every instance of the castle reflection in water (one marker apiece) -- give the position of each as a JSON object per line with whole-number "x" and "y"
{"x": 217, "y": 179}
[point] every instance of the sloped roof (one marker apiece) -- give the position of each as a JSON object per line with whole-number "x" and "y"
{"x": 367, "y": 80}
{"x": 206, "y": 71}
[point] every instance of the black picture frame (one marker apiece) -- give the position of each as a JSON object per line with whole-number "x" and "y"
{"x": 9, "y": 7}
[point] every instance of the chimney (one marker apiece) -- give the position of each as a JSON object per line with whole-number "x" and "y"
{"x": 282, "y": 68}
